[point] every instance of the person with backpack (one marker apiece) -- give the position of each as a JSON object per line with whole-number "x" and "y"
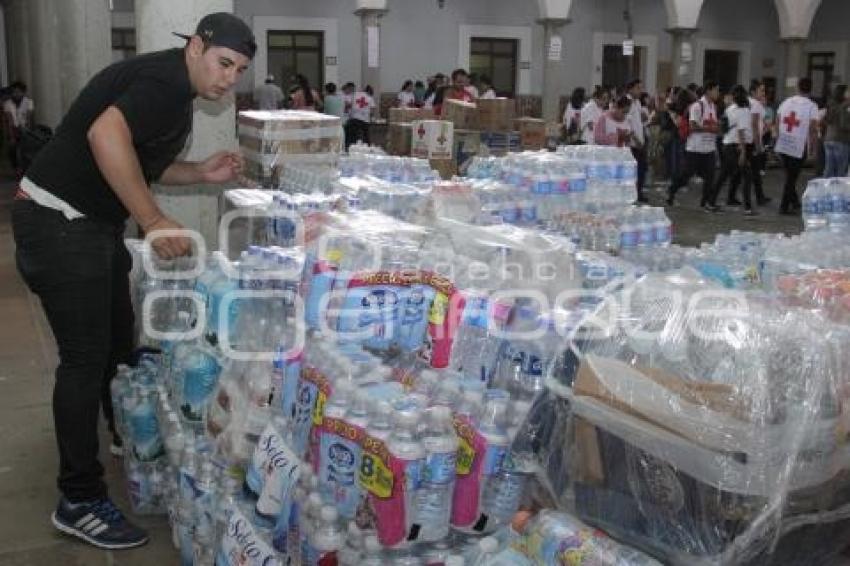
{"x": 699, "y": 127}
{"x": 737, "y": 155}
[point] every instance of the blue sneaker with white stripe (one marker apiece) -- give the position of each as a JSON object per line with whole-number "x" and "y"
{"x": 99, "y": 523}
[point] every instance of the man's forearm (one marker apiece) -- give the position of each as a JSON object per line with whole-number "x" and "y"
{"x": 182, "y": 173}
{"x": 111, "y": 144}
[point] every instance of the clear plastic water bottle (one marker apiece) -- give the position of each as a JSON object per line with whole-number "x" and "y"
{"x": 663, "y": 228}
{"x": 628, "y": 233}
{"x": 351, "y": 552}
{"x": 145, "y": 435}
{"x": 404, "y": 445}
{"x": 434, "y": 499}
{"x": 645, "y": 227}
{"x": 814, "y": 217}
{"x": 839, "y": 215}
{"x": 373, "y": 553}
{"x": 325, "y": 540}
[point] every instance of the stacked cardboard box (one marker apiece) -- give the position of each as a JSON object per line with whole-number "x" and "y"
{"x": 432, "y": 139}
{"x": 399, "y": 137}
{"x": 271, "y": 140}
{"x": 496, "y": 115}
{"x": 532, "y": 133}
{"x": 408, "y": 115}
{"x": 464, "y": 115}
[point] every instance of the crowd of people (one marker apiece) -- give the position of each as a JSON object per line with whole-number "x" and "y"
{"x": 689, "y": 130}
{"x": 357, "y": 107}
{"x": 724, "y": 138}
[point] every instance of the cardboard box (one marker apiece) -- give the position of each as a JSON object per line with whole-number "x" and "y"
{"x": 447, "y": 168}
{"x": 496, "y": 115}
{"x": 399, "y": 137}
{"x": 408, "y": 115}
{"x": 269, "y": 140}
{"x": 532, "y": 132}
{"x": 464, "y": 115}
{"x": 432, "y": 139}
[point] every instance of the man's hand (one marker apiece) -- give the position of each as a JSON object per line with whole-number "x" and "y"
{"x": 168, "y": 247}
{"x": 221, "y": 167}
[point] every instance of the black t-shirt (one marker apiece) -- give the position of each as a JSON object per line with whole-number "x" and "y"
{"x": 155, "y": 96}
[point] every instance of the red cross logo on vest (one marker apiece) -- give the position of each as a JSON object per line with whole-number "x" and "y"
{"x": 362, "y": 103}
{"x": 791, "y": 121}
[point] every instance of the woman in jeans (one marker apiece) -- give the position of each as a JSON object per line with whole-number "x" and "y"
{"x": 837, "y": 136}
{"x": 738, "y": 146}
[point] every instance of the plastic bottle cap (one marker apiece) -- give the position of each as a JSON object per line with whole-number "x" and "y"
{"x": 441, "y": 412}
{"x": 371, "y": 544}
{"x": 329, "y": 514}
{"x": 488, "y": 545}
{"x": 354, "y": 530}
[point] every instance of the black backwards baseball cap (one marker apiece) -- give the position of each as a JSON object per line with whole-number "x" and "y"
{"x": 223, "y": 29}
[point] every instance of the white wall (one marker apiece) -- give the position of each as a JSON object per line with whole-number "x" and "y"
{"x": 420, "y": 39}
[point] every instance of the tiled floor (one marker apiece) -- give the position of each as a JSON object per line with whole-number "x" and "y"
{"x": 27, "y": 446}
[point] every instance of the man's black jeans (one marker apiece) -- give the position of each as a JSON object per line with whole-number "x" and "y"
{"x": 79, "y": 269}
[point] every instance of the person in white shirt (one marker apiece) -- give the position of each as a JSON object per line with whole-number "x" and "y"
{"x": 700, "y": 147}
{"x": 634, "y": 89}
{"x": 405, "y": 97}
{"x": 796, "y": 124}
{"x": 758, "y": 162}
{"x": 613, "y": 127}
{"x": 268, "y": 95}
{"x": 487, "y": 92}
{"x": 17, "y": 115}
{"x": 591, "y": 112}
{"x": 738, "y": 147}
{"x": 360, "y": 117}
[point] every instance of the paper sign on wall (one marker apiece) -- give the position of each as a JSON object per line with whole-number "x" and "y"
{"x": 555, "y": 44}
{"x": 628, "y": 47}
{"x": 372, "y": 46}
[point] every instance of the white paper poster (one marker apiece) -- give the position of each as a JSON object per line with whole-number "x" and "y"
{"x": 555, "y": 48}
{"x": 628, "y": 47}
{"x": 372, "y": 46}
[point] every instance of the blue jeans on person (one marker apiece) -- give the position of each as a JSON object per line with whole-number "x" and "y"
{"x": 837, "y": 155}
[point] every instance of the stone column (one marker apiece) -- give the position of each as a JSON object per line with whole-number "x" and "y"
{"x": 45, "y": 53}
{"x": 86, "y": 44}
{"x": 370, "y": 74}
{"x": 214, "y": 125}
{"x": 18, "y": 27}
{"x": 552, "y": 55}
{"x": 683, "y": 56}
{"x": 794, "y": 69}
